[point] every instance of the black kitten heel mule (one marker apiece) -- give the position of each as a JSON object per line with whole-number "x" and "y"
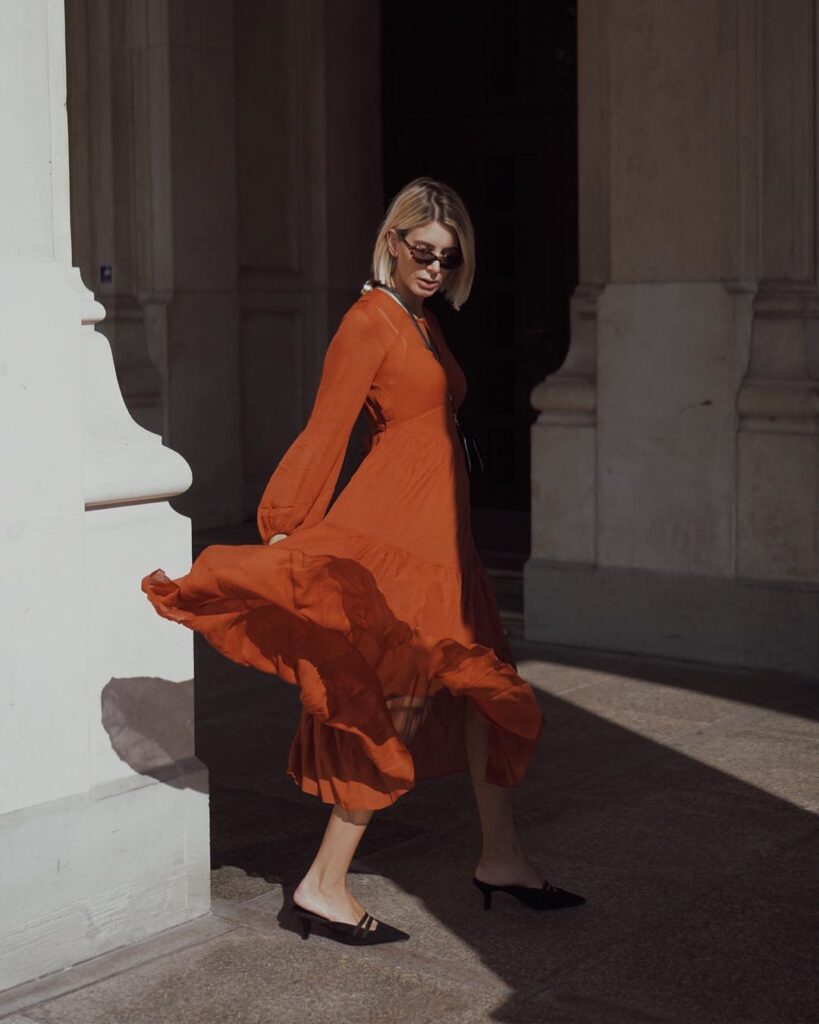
{"x": 548, "y": 897}
{"x": 360, "y": 934}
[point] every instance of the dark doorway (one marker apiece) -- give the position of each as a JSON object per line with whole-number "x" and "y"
{"x": 484, "y": 97}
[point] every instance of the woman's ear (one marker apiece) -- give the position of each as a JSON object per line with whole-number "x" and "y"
{"x": 392, "y": 243}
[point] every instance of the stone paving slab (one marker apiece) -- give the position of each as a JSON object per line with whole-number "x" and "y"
{"x": 678, "y": 799}
{"x": 257, "y": 977}
{"x": 89, "y": 973}
{"x": 743, "y": 951}
{"x": 775, "y": 753}
{"x": 235, "y": 886}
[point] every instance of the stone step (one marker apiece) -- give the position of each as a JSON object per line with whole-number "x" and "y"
{"x": 505, "y": 572}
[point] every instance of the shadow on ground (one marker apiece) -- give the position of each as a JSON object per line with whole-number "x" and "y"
{"x": 678, "y": 799}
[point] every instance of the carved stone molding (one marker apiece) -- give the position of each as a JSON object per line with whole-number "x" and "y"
{"x": 780, "y": 406}
{"x": 780, "y": 393}
{"x": 124, "y": 463}
{"x": 140, "y": 377}
{"x": 569, "y": 397}
{"x": 786, "y": 300}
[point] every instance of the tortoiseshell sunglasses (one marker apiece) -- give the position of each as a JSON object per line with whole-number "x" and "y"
{"x": 424, "y": 257}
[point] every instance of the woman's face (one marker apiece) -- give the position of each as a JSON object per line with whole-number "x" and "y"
{"x": 411, "y": 277}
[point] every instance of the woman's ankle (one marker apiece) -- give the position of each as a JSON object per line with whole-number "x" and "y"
{"x": 322, "y": 885}
{"x": 495, "y": 855}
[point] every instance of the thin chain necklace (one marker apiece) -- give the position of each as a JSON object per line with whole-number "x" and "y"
{"x": 427, "y": 337}
{"x": 396, "y": 296}
{"x": 430, "y": 344}
{"x": 370, "y": 286}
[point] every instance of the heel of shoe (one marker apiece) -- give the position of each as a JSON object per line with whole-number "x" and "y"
{"x": 305, "y": 925}
{"x": 486, "y": 891}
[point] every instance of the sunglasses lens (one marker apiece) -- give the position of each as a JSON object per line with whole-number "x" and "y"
{"x": 448, "y": 262}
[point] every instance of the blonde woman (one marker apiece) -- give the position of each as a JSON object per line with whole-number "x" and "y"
{"x": 380, "y": 609}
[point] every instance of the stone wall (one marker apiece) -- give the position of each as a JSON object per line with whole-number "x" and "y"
{"x": 674, "y": 475}
{"x": 103, "y": 806}
{"x": 226, "y": 166}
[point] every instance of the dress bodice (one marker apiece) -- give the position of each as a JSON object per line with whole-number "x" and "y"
{"x": 410, "y": 383}
{"x": 378, "y": 360}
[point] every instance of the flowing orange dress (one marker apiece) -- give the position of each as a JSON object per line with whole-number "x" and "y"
{"x": 380, "y": 609}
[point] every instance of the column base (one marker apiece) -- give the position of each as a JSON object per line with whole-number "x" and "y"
{"x": 90, "y": 873}
{"x": 755, "y": 624}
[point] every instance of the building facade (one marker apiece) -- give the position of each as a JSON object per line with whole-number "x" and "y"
{"x": 675, "y": 455}
{"x": 195, "y": 267}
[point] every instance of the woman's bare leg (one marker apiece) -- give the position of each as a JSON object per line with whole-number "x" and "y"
{"x": 324, "y": 888}
{"x": 502, "y": 859}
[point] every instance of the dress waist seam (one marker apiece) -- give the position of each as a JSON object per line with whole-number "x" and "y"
{"x": 409, "y": 426}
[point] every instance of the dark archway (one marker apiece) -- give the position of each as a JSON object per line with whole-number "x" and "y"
{"x": 486, "y": 99}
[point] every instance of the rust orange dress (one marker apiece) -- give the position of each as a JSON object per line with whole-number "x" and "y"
{"x": 380, "y": 609}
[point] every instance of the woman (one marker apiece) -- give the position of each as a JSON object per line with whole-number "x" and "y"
{"x": 380, "y": 609}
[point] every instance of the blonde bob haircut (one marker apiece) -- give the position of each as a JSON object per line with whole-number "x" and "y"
{"x": 420, "y": 202}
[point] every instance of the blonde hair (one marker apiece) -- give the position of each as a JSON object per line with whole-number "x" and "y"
{"x": 421, "y": 201}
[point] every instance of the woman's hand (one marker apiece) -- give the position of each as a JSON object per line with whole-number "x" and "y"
{"x": 277, "y": 536}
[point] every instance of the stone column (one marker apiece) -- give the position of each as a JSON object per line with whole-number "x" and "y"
{"x": 227, "y": 169}
{"x": 564, "y": 437}
{"x": 674, "y": 464}
{"x": 778, "y": 442}
{"x": 308, "y": 153}
{"x": 204, "y": 359}
{"x": 103, "y": 807}
{"x": 119, "y": 120}
{"x": 152, "y": 118}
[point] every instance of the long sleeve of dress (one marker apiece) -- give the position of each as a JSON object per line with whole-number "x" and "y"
{"x": 302, "y": 485}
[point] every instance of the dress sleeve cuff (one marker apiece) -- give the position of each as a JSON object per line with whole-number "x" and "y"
{"x": 271, "y": 521}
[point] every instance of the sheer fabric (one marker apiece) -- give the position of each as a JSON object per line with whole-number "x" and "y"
{"x": 379, "y": 609}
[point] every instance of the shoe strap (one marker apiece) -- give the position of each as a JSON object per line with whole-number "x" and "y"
{"x": 363, "y": 925}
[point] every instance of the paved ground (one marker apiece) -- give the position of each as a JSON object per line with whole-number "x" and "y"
{"x": 679, "y": 800}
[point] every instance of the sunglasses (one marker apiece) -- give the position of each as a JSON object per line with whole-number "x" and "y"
{"x": 424, "y": 257}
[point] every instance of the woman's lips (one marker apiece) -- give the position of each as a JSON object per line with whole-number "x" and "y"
{"x": 427, "y": 284}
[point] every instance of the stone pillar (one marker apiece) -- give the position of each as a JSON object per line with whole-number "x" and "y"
{"x": 103, "y": 807}
{"x": 778, "y": 442}
{"x": 564, "y": 437}
{"x": 204, "y": 365}
{"x": 227, "y": 169}
{"x": 119, "y": 121}
{"x": 308, "y": 152}
{"x": 674, "y": 457}
{"x": 152, "y": 119}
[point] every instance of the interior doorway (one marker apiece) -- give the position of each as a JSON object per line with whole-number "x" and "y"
{"x": 487, "y": 101}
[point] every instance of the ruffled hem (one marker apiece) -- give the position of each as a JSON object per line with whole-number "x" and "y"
{"x": 321, "y": 622}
